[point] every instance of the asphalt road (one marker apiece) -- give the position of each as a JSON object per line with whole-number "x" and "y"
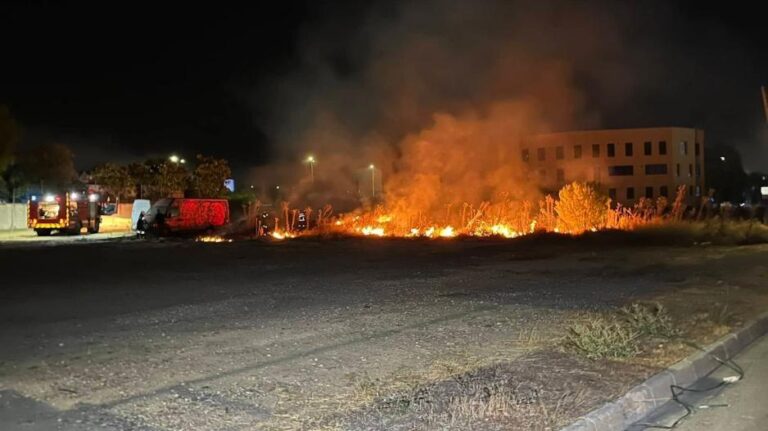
{"x": 165, "y": 335}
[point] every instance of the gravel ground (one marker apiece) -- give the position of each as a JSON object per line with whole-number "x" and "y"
{"x": 319, "y": 334}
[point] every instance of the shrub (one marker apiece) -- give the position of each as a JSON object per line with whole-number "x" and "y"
{"x": 581, "y": 208}
{"x": 653, "y": 320}
{"x": 602, "y": 338}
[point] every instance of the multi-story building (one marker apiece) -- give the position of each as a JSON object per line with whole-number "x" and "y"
{"x": 626, "y": 164}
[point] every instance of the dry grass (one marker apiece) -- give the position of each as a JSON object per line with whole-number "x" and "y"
{"x": 652, "y": 320}
{"x": 603, "y": 337}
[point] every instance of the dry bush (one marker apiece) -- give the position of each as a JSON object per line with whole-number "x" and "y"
{"x": 652, "y": 320}
{"x": 599, "y": 337}
{"x": 581, "y": 208}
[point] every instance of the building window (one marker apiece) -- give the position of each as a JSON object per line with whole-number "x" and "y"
{"x": 526, "y": 155}
{"x": 649, "y": 192}
{"x": 698, "y": 191}
{"x": 647, "y": 150}
{"x": 560, "y": 176}
{"x": 628, "y": 149}
{"x": 595, "y": 150}
{"x": 577, "y": 151}
{"x": 690, "y": 170}
{"x": 611, "y": 150}
{"x": 697, "y": 149}
{"x": 698, "y": 170}
{"x": 662, "y": 148}
{"x": 663, "y": 191}
{"x": 677, "y": 170}
{"x": 630, "y": 192}
{"x": 559, "y": 153}
{"x": 542, "y": 173}
{"x": 683, "y": 148}
{"x": 690, "y": 190}
{"x": 621, "y": 170}
{"x": 656, "y": 169}
{"x": 540, "y": 154}
{"x": 612, "y": 194}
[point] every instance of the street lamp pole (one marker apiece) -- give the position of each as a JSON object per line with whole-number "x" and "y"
{"x": 373, "y": 180}
{"x": 311, "y": 161}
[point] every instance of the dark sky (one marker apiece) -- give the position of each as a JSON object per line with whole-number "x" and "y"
{"x": 138, "y": 80}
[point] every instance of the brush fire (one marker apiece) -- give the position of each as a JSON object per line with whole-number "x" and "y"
{"x": 578, "y": 208}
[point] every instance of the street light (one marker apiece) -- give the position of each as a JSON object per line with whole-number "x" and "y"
{"x": 174, "y": 158}
{"x": 373, "y": 180}
{"x": 311, "y": 161}
{"x": 722, "y": 158}
{"x": 182, "y": 161}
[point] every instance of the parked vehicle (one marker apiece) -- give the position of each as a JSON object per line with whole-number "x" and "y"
{"x": 184, "y": 215}
{"x": 64, "y": 212}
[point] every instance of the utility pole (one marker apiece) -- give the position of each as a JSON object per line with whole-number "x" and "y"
{"x": 765, "y": 102}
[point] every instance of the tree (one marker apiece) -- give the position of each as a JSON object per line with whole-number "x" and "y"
{"x": 51, "y": 165}
{"x": 13, "y": 178}
{"x": 209, "y": 176}
{"x": 10, "y": 134}
{"x": 580, "y": 208}
{"x": 115, "y": 179}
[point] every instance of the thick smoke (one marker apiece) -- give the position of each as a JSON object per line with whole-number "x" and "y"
{"x": 436, "y": 95}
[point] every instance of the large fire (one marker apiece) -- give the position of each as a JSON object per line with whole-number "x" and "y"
{"x": 579, "y": 208}
{"x": 464, "y": 176}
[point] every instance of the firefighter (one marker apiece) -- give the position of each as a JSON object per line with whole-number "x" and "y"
{"x": 141, "y": 225}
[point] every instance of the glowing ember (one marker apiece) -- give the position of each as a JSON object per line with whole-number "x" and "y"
{"x": 212, "y": 238}
{"x": 282, "y": 235}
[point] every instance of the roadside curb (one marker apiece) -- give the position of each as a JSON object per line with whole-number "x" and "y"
{"x": 651, "y": 394}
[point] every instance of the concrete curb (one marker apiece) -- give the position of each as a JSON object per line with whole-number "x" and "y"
{"x": 646, "y": 397}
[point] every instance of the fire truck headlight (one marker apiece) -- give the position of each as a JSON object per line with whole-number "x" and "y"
{"x": 93, "y": 197}
{"x": 75, "y": 196}
{"x": 49, "y": 198}
{"x": 34, "y": 198}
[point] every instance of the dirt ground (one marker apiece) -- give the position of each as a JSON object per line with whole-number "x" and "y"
{"x": 341, "y": 333}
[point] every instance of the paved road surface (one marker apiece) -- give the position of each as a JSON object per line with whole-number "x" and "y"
{"x": 747, "y": 400}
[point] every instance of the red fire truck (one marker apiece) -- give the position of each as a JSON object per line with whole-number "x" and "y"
{"x": 184, "y": 215}
{"x": 64, "y": 212}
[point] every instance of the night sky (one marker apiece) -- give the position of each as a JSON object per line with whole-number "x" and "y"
{"x": 126, "y": 83}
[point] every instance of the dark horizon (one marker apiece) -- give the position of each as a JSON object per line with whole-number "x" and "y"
{"x": 124, "y": 85}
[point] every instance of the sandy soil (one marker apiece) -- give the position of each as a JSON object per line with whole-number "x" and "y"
{"x": 338, "y": 334}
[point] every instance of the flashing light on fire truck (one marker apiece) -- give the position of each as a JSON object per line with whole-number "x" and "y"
{"x": 74, "y": 196}
{"x": 34, "y": 198}
{"x": 49, "y": 198}
{"x": 93, "y": 197}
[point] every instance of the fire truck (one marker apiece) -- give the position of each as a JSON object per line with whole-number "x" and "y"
{"x": 64, "y": 212}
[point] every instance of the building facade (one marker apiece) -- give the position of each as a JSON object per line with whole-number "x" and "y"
{"x": 625, "y": 164}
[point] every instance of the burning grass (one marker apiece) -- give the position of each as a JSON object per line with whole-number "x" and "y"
{"x": 579, "y": 208}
